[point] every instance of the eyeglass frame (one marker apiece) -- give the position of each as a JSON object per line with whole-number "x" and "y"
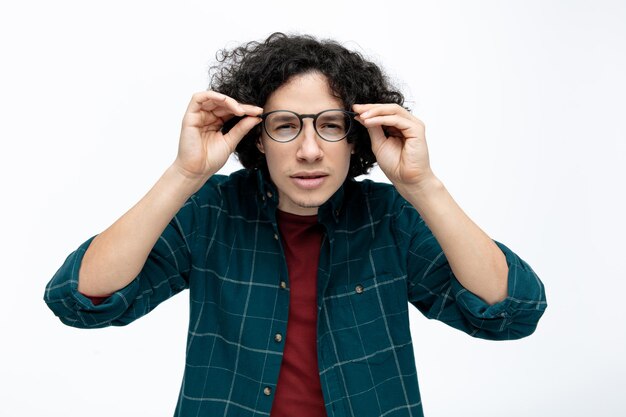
{"x": 301, "y": 117}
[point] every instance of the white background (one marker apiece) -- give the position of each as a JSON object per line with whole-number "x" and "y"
{"x": 524, "y": 106}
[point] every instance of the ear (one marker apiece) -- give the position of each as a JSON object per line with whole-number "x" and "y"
{"x": 259, "y": 145}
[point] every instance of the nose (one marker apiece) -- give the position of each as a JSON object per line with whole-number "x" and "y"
{"x": 309, "y": 148}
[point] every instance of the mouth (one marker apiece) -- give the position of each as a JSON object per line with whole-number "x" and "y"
{"x": 309, "y": 181}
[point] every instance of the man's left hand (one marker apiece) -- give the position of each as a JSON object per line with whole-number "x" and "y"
{"x": 398, "y": 142}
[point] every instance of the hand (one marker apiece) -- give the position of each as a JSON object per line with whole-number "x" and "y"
{"x": 203, "y": 149}
{"x": 398, "y": 142}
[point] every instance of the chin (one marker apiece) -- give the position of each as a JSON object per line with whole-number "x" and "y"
{"x": 306, "y": 206}
{"x": 310, "y": 205}
{"x": 313, "y": 202}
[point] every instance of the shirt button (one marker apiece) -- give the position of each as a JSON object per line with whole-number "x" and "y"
{"x": 278, "y": 337}
{"x": 269, "y": 194}
{"x": 267, "y": 391}
{"x": 275, "y": 236}
{"x": 283, "y": 284}
{"x": 358, "y": 289}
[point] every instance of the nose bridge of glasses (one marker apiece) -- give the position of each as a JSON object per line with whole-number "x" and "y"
{"x": 312, "y": 128}
{"x": 313, "y": 118}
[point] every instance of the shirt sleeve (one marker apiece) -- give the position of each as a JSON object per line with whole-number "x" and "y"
{"x": 164, "y": 274}
{"x": 436, "y": 292}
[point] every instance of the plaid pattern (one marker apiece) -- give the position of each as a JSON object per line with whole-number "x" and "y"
{"x": 376, "y": 257}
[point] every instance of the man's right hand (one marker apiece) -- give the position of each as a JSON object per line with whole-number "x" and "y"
{"x": 115, "y": 257}
{"x": 203, "y": 149}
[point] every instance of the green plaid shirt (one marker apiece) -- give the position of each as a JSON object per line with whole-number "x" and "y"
{"x": 377, "y": 256}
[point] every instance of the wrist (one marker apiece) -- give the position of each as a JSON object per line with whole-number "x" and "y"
{"x": 428, "y": 197}
{"x": 428, "y": 186}
{"x": 184, "y": 181}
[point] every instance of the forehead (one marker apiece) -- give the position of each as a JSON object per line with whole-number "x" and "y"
{"x": 306, "y": 93}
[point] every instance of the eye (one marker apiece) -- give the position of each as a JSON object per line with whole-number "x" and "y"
{"x": 332, "y": 122}
{"x": 333, "y": 126}
{"x": 286, "y": 126}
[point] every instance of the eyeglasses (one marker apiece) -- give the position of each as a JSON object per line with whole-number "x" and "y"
{"x": 284, "y": 125}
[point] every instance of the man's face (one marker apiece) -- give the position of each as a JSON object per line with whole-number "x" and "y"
{"x": 308, "y": 170}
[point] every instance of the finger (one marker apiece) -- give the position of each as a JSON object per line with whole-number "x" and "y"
{"x": 394, "y": 120}
{"x": 379, "y": 108}
{"x": 377, "y": 134}
{"x": 248, "y": 110}
{"x": 252, "y": 110}
{"x": 377, "y": 137}
{"x": 212, "y": 100}
{"x": 360, "y": 108}
{"x": 388, "y": 109}
{"x": 199, "y": 99}
{"x": 202, "y": 119}
{"x": 226, "y": 106}
{"x": 237, "y": 132}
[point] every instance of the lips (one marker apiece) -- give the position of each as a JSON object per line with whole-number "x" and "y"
{"x": 308, "y": 180}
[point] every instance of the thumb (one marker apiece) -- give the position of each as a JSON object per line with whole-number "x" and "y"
{"x": 377, "y": 136}
{"x": 237, "y": 132}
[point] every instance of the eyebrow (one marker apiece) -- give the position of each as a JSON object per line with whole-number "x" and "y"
{"x": 331, "y": 117}
{"x": 285, "y": 117}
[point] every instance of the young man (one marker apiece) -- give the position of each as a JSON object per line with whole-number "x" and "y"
{"x": 299, "y": 276}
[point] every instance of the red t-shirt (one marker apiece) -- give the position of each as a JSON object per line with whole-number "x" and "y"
{"x": 299, "y": 392}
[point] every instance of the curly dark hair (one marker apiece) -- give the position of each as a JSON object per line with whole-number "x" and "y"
{"x": 251, "y": 72}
